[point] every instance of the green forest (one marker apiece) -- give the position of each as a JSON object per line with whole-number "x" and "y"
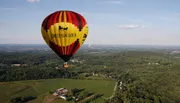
{"x": 141, "y": 76}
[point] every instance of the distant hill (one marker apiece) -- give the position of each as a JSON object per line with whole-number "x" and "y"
{"x": 22, "y": 47}
{"x": 89, "y": 47}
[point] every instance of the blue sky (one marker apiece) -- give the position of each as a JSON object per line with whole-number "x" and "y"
{"x": 154, "y": 22}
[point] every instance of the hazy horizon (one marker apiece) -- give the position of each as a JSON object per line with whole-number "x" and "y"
{"x": 100, "y": 44}
{"x": 112, "y": 22}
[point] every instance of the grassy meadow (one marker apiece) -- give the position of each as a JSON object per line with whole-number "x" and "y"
{"x": 40, "y": 88}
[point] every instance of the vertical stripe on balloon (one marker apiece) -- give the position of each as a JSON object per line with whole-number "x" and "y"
{"x": 46, "y": 23}
{"x": 69, "y": 19}
{"x": 74, "y": 19}
{"x": 60, "y": 17}
{"x": 65, "y": 39}
{"x": 75, "y": 46}
{"x": 79, "y": 22}
{"x": 62, "y": 39}
{"x": 50, "y": 22}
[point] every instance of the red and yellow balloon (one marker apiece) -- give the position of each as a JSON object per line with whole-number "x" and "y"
{"x": 64, "y": 32}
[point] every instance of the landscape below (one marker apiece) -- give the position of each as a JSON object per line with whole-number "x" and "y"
{"x": 138, "y": 74}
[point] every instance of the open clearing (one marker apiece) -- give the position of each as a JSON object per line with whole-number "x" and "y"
{"x": 40, "y": 87}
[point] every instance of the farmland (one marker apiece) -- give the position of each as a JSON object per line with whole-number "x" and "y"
{"x": 41, "y": 87}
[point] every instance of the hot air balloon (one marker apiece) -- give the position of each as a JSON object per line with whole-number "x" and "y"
{"x": 64, "y": 32}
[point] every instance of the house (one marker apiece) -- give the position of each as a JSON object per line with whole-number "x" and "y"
{"x": 153, "y": 63}
{"x": 19, "y": 65}
{"x": 63, "y": 97}
{"x": 95, "y": 74}
{"x": 75, "y": 97}
{"x": 61, "y": 92}
{"x": 157, "y": 63}
{"x": 55, "y": 94}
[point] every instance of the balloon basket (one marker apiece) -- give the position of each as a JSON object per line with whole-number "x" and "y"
{"x": 65, "y": 65}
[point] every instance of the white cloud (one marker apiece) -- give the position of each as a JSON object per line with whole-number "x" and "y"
{"x": 32, "y": 1}
{"x": 131, "y": 26}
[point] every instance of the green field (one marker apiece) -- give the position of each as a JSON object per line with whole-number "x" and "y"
{"x": 38, "y": 88}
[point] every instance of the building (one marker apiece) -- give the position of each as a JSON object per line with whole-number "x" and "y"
{"x": 55, "y": 94}
{"x": 19, "y": 65}
{"x": 61, "y": 92}
{"x": 63, "y": 97}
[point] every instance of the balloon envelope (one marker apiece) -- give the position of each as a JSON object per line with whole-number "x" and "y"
{"x": 64, "y": 32}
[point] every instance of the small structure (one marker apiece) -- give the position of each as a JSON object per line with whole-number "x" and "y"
{"x": 55, "y": 94}
{"x": 61, "y": 92}
{"x": 63, "y": 97}
{"x": 153, "y": 63}
{"x": 57, "y": 68}
{"x": 19, "y": 65}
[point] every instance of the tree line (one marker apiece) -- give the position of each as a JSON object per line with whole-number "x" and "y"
{"x": 34, "y": 74}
